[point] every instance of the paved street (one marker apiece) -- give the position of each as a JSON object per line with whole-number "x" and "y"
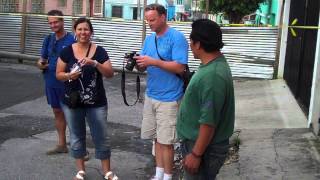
{"x": 275, "y": 141}
{"x": 25, "y": 114}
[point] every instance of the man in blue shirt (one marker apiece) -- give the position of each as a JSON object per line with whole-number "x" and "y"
{"x": 51, "y": 48}
{"x": 164, "y": 55}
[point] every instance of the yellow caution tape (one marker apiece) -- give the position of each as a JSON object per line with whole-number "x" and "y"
{"x": 291, "y": 27}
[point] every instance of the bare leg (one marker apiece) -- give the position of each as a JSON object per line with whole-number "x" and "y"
{"x": 80, "y": 167}
{"x": 61, "y": 124}
{"x": 80, "y": 164}
{"x": 167, "y": 157}
{"x": 107, "y": 170}
{"x": 105, "y": 163}
{"x": 159, "y": 155}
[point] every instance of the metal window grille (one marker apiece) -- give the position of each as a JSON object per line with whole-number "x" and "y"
{"x": 9, "y": 6}
{"x": 117, "y": 11}
{"x": 61, "y": 3}
{"x": 97, "y": 6}
{"x": 77, "y": 7}
{"x": 37, "y": 6}
{"x": 179, "y": 2}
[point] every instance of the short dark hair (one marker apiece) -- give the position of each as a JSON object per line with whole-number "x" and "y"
{"x": 83, "y": 20}
{"x": 208, "y": 33}
{"x": 158, "y": 7}
{"x": 56, "y": 12}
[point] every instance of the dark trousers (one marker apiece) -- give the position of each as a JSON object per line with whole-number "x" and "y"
{"x": 211, "y": 162}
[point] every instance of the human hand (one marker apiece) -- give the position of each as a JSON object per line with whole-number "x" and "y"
{"x": 144, "y": 61}
{"x": 73, "y": 75}
{"x": 191, "y": 163}
{"x": 42, "y": 64}
{"x": 88, "y": 61}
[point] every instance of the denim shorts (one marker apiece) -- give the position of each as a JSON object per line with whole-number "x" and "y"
{"x": 54, "y": 96}
{"x": 97, "y": 120}
{"x": 211, "y": 162}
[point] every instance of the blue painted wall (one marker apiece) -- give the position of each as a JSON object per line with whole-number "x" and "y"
{"x": 127, "y": 8}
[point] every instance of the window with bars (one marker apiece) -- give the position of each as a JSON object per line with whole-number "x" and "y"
{"x": 61, "y": 3}
{"x": 77, "y": 7}
{"x": 9, "y": 6}
{"x": 98, "y": 6}
{"x": 117, "y": 11}
{"x": 37, "y": 6}
{"x": 179, "y": 2}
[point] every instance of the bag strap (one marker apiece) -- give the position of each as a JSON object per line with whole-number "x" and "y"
{"x": 156, "y": 42}
{"x": 88, "y": 51}
{"x": 48, "y": 41}
{"x": 87, "y": 54}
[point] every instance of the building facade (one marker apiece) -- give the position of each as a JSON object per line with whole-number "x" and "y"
{"x": 68, "y": 7}
{"x": 133, "y": 9}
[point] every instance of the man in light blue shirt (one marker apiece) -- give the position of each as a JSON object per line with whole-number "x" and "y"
{"x": 164, "y": 55}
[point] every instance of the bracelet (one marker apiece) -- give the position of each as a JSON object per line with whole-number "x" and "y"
{"x": 195, "y": 155}
{"x": 95, "y": 63}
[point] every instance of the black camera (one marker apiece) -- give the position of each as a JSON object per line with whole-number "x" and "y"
{"x": 130, "y": 61}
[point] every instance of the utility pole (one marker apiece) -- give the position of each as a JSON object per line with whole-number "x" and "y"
{"x": 207, "y": 8}
{"x": 23, "y": 29}
{"x": 138, "y": 10}
{"x": 88, "y": 8}
{"x": 143, "y": 21}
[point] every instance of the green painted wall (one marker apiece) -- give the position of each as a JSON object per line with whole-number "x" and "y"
{"x": 268, "y": 12}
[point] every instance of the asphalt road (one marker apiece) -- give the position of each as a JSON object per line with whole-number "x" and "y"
{"x": 24, "y": 112}
{"x": 19, "y": 83}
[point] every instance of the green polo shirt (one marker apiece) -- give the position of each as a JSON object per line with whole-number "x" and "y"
{"x": 209, "y": 99}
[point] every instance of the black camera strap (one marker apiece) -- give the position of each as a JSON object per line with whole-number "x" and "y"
{"x": 123, "y": 88}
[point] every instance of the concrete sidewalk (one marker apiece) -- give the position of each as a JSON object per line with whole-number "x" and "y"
{"x": 275, "y": 141}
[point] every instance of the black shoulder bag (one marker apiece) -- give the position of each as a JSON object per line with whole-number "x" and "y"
{"x": 185, "y": 76}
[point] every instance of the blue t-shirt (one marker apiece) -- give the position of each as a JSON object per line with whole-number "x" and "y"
{"x": 51, "y": 49}
{"x": 163, "y": 85}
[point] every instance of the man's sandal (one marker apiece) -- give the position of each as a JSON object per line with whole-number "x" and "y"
{"x": 110, "y": 176}
{"x": 80, "y": 175}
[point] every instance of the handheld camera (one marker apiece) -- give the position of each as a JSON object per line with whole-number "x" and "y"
{"x": 130, "y": 61}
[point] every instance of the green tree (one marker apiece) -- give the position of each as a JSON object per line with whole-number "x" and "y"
{"x": 233, "y": 9}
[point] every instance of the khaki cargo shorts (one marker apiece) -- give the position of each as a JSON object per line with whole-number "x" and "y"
{"x": 159, "y": 120}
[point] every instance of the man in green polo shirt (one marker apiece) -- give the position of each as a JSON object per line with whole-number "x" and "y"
{"x": 207, "y": 111}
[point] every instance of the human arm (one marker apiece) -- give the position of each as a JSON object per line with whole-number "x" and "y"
{"x": 174, "y": 51}
{"x": 104, "y": 68}
{"x": 65, "y": 76}
{"x": 192, "y": 160}
{"x": 42, "y": 63}
{"x": 172, "y": 66}
{"x": 100, "y": 61}
{"x": 210, "y": 94}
